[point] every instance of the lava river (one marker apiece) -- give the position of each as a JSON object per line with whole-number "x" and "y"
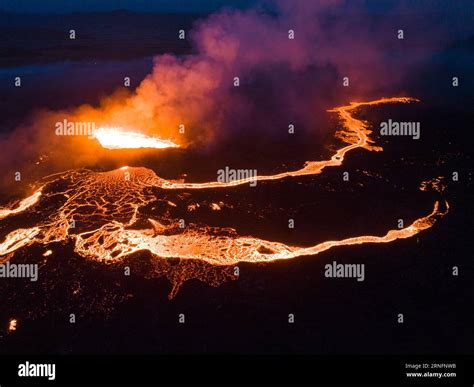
{"x": 102, "y": 212}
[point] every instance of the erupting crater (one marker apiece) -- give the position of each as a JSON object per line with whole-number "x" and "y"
{"x": 116, "y": 138}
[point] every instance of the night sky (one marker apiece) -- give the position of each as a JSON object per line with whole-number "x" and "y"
{"x": 204, "y": 6}
{"x": 67, "y": 6}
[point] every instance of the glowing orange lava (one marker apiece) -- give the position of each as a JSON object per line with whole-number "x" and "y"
{"x": 12, "y": 324}
{"x": 111, "y": 221}
{"x": 22, "y": 206}
{"x": 355, "y": 133}
{"x": 115, "y": 138}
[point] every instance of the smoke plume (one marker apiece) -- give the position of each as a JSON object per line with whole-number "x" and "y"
{"x": 252, "y": 72}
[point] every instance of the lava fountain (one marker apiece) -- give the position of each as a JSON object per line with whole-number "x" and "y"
{"x": 116, "y": 138}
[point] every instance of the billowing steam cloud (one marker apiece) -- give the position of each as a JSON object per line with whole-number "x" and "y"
{"x": 281, "y": 79}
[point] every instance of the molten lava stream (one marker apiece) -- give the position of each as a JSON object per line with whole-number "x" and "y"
{"x": 104, "y": 206}
{"x": 355, "y": 134}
